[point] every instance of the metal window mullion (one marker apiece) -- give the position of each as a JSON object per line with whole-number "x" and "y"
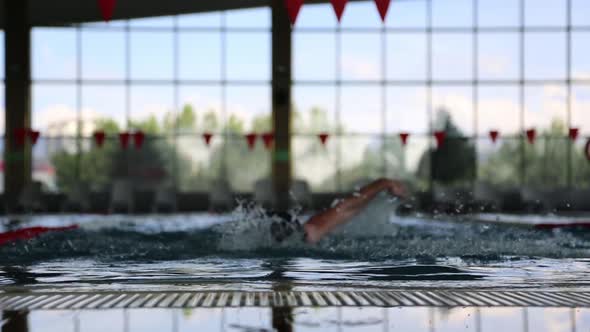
{"x": 127, "y": 90}
{"x": 570, "y": 144}
{"x": 522, "y": 93}
{"x": 338, "y": 101}
{"x": 475, "y": 92}
{"x": 312, "y": 30}
{"x": 429, "y": 104}
{"x": 461, "y": 82}
{"x": 127, "y": 75}
{"x": 224, "y": 121}
{"x": 384, "y": 170}
{"x": 176, "y": 50}
{"x": 78, "y": 102}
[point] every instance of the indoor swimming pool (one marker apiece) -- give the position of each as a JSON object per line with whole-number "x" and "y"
{"x": 235, "y": 251}
{"x": 224, "y": 272}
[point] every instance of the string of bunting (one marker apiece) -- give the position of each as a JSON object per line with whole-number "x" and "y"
{"x": 294, "y": 7}
{"x": 124, "y": 138}
{"x": 21, "y": 135}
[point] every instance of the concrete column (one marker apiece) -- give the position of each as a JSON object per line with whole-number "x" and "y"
{"x": 281, "y": 103}
{"x": 17, "y": 39}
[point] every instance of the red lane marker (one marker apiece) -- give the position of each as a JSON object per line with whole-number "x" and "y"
{"x": 31, "y": 232}
{"x": 584, "y": 224}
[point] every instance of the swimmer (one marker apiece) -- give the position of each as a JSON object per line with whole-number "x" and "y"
{"x": 325, "y": 222}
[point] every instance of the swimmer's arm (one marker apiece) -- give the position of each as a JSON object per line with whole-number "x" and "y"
{"x": 323, "y": 223}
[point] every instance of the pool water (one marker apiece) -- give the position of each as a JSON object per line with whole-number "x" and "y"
{"x": 378, "y": 250}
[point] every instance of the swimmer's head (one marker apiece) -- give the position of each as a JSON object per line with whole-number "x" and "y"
{"x": 405, "y": 209}
{"x": 280, "y": 230}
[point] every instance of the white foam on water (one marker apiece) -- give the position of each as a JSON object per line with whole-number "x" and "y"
{"x": 376, "y": 219}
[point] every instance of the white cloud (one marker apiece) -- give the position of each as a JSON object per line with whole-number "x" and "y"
{"x": 503, "y": 114}
{"x": 493, "y": 64}
{"x": 359, "y": 69}
{"x": 201, "y": 102}
{"x": 61, "y": 120}
{"x": 581, "y": 75}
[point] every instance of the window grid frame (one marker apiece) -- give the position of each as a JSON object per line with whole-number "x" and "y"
{"x": 429, "y": 83}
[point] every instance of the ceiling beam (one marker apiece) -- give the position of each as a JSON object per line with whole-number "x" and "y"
{"x": 69, "y": 12}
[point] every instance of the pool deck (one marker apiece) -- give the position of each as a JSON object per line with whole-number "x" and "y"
{"x": 394, "y": 298}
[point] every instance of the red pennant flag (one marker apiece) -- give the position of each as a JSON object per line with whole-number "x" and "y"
{"x": 99, "y": 137}
{"x": 138, "y": 139}
{"x": 207, "y": 137}
{"x": 323, "y": 138}
{"x": 531, "y": 134}
{"x": 404, "y": 138}
{"x": 20, "y": 135}
{"x": 382, "y": 7}
{"x": 440, "y": 138}
{"x": 107, "y": 7}
{"x": 33, "y": 136}
{"x": 293, "y": 7}
{"x": 338, "y": 6}
{"x": 494, "y": 134}
{"x": 251, "y": 140}
{"x": 574, "y": 132}
{"x": 124, "y": 139}
{"x": 268, "y": 139}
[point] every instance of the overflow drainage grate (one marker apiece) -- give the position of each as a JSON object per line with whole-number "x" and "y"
{"x": 428, "y": 298}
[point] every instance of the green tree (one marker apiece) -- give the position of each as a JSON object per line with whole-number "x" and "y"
{"x": 545, "y": 161}
{"x": 154, "y": 163}
{"x": 210, "y": 122}
{"x": 454, "y": 161}
{"x": 184, "y": 122}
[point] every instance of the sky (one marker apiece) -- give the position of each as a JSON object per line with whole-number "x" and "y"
{"x": 248, "y": 55}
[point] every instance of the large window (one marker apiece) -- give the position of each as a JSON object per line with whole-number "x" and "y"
{"x": 173, "y": 78}
{"x": 465, "y": 67}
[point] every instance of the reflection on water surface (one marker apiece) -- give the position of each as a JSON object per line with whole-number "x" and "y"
{"x": 303, "y": 319}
